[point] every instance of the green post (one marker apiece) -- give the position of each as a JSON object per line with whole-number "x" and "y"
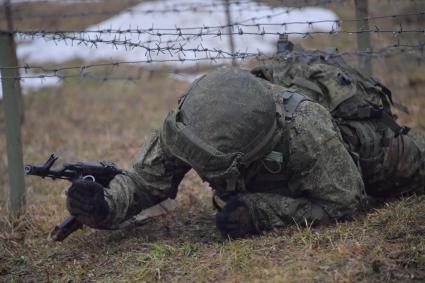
{"x": 363, "y": 39}
{"x": 9, "y": 23}
{"x": 230, "y": 30}
{"x": 11, "y": 94}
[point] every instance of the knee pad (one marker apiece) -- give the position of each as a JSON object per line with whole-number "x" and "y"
{"x": 234, "y": 220}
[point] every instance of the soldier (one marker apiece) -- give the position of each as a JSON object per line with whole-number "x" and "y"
{"x": 275, "y": 150}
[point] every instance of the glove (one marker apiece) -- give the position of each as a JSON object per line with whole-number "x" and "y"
{"x": 234, "y": 220}
{"x": 86, "y": 201}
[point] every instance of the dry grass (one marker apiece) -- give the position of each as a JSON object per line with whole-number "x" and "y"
{"x": 101, "y": 11}
{"x": 91, "y": 121}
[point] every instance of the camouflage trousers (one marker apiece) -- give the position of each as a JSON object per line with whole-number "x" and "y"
{"x": 401, "y": 172}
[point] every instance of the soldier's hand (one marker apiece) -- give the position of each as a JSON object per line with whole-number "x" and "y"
{"x": 234, "y": 220}
{"x": 86, "y": 201}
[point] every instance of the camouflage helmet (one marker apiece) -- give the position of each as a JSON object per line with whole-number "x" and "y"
{"x": 225, "y": 121}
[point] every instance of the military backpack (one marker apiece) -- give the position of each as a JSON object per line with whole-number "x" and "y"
{"x": 361, "y": 106}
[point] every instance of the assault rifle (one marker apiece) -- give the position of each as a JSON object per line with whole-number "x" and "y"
{"x": 101, "y": 172}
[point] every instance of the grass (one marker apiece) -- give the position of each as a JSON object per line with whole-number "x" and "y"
{"x": 101, "y": 10}
{"x": 87, "y": 120}
{"x": 385, "y": 245}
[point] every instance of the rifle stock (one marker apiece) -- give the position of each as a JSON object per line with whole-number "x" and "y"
{"x": 68, "y": 226}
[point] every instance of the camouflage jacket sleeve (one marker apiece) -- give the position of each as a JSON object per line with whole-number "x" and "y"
{"x": 322, "y": 168}
{"x": 155, "y": 176}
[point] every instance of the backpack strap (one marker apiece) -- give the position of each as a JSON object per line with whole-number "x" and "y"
{"x": 354, "y": 110}
{"x": 291, "y": 100}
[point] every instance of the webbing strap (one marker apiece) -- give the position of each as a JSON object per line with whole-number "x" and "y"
{"x": 291, "y": 100}
{"x": 351, "y": 111}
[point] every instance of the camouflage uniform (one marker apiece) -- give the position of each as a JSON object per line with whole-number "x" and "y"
{"x": 317, "y": 179}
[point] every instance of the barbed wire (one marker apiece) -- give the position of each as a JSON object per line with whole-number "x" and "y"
{"x": 83, "y": 70}
{"x": 79, "y": 36}
{"x": 22, "y": 17}
{"x": 177, "y": 47}
{"x": 180, "y": 39}
{"x": 82, "y": 37}
{"x": 140, "y": 30}
{"x": 244, "y": 23}
{"x": 155, "y": 41}
{"x": 174, "y": 48}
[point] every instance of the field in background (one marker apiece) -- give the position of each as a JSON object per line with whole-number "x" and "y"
{"x": 64, "y": 22}
{"x": 88, "y": 120}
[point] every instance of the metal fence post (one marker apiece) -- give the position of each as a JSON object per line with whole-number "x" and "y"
{"x": 10, "y": 27}
{"x": 363, "y": 38}
{"x": 11, "y": 93}
{"x": 230, "y": 30}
